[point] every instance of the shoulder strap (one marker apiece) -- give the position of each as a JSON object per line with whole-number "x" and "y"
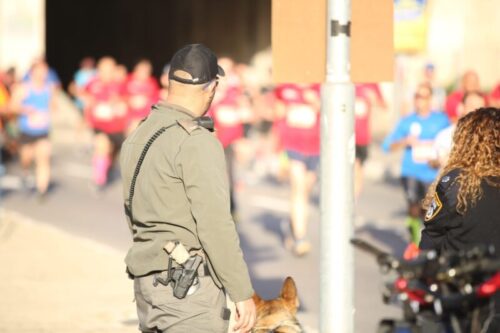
{"x": 128, "y": 208}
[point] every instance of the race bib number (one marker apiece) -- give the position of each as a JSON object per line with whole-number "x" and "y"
{"x": 289, "y": 94}
{"x": 103, "y": 111}
{"x": 360, "y": 109}
{"x": 415, "y": 129}
{"x": 423, "y": 152}
{"x": 38, "y": 120}
{"x": 227, "y": 116}
{"x": 301, "y": 116}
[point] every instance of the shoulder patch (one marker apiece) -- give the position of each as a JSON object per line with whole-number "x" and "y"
{"x": 434, "y": 209}
{"x": 188, "y": 125}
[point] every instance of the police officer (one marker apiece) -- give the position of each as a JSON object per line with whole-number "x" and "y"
{"x": 463, "y": 204}
{"x": 180, "y": 193}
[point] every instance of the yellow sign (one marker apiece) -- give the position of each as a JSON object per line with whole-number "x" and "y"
{"x": 410, "y": 26}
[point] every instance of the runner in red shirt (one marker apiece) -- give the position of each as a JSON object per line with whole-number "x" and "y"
{"x": 227, "y": 118}
{"x": 227, "y": 110}
{"x": 163, "y": 94}
{"x": 469, "y": 83}
{"x": 299, "y": 129}
{"x": 107, "y": 114}
{"x": 367, "y": 95}
{"x": 142, "y": 92}
{"x": 495, "y": 96}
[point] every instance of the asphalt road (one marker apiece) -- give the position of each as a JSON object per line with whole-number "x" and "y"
{"x": 74, "y": 207}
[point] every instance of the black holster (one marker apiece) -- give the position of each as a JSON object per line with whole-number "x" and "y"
{"x": 181, "y": 278}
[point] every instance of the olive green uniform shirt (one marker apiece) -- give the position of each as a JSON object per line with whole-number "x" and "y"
{"x": 182, "y": 193}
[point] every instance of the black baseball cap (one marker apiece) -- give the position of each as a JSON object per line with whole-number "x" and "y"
{"x": 197, "y": 60}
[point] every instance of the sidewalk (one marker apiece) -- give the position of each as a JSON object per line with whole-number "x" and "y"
{"x": 54, "y": 282}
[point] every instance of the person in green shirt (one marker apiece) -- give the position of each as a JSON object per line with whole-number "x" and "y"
{"x": 180, "y": 193}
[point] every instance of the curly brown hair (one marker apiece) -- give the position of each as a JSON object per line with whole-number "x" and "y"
{"x": 476, "y": 152}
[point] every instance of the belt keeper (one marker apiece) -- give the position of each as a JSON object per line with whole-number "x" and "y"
{"x": 225, "y": 314}
{"x": 206, "y": 271}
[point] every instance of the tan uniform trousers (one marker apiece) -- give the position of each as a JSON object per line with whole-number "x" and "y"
{"x": 160, "y": 311}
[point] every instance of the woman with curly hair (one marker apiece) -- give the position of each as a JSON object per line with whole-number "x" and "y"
{"x": 463, "y": 205}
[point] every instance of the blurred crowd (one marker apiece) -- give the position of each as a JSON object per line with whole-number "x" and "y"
{"x": 425, "y": 136}
{"x": 272, "y": 129}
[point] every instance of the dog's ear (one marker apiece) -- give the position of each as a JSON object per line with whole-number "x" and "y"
{"x": 289, "y": 294}
{"x": 256, "y": 299}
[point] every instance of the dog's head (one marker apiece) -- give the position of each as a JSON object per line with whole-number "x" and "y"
{"x": 278, "y": 315}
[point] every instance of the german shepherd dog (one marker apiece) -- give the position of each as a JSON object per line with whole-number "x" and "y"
{"x": 278, "y": 315}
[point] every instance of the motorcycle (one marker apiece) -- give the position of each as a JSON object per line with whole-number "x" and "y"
{"x": 450, "y": 292}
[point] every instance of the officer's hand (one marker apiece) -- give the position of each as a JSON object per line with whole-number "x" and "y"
{"x": 245, "y": 316}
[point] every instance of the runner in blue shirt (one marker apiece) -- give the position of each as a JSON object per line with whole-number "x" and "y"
{"x": 32, "y": 101}
{"x": 415, "y": 134}
{"x": 82, "y": 77}
{"x": 51, "y": 78}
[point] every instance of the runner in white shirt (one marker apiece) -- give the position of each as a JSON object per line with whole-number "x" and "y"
{"x": 443, "y": 143}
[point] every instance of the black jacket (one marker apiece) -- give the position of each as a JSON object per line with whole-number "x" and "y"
{"x": 446, "y": 229}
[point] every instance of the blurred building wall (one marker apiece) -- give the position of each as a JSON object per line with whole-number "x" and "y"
{"x": 134, "y": 29}
{"x": 22, "y": 32}
{"x": 461, "y": 35}
{"x": 465, "y": 34}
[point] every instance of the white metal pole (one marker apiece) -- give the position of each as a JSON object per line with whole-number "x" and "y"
{"x": 337, "y": 163}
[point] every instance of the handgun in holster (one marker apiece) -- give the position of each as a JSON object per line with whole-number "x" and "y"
{"x": 184, "y": 277}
